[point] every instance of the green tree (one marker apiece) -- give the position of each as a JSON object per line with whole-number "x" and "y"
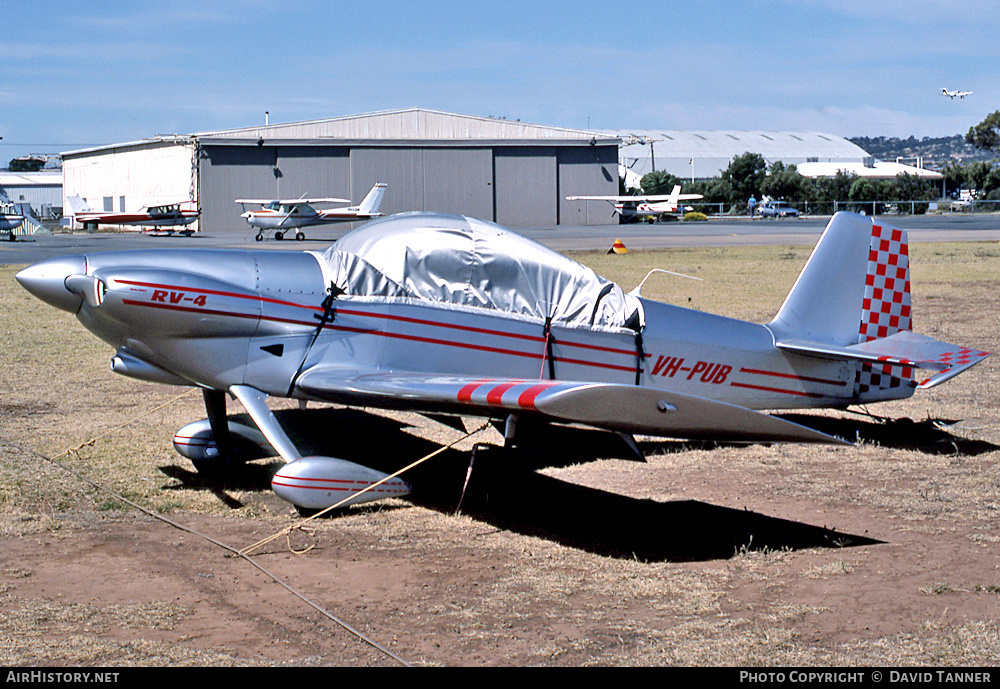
{"x": 26, "y": 165}
{"x": 976, "y": 173}
{"x": 906, "y": 187}
{"x": 827, "y": 190}
{"x": 784, "y": 183}
{"x": 714, "y": 190}
{"x": 954, "y": 177}
{"x": 658, "y": 182}
{"x": 745, "y": 176}
{"x": 986, "y": 134}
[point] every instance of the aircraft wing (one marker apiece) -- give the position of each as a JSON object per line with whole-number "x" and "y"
{"x": 292, "y": 201}
{"x": 622, "y": 408}
{"x": 651, "y": 198}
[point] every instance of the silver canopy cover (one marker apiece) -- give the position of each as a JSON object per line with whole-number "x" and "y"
{"x": 461, "y": 262}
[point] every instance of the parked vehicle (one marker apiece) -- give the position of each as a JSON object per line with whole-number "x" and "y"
{"x": 778, "y": 209}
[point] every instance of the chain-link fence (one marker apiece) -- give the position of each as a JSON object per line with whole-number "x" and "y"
{"x": 882, "y": 207}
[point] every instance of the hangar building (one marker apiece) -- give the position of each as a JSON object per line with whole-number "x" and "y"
{"x": 40, "y": 190}
{"x": 510, "y": 172}
{"x": 696, "y": 154}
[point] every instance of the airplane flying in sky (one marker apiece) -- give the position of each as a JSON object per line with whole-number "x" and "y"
{"x": 282, "y": 215}
{"x": 644, "y": 206}
{"x": 955, "y": 94}
{"x": 163, "y": 215}
{"x": 445, "y": 314}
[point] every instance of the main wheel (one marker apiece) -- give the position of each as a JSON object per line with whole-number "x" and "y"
{"x": 279, "y": 235}
{"x": 299, "y": 236}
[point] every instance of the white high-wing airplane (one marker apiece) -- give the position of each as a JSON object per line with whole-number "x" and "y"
{"x": 955, "y": 94}
{"x": 163, "y": 215}
{"x": 281, "y": 215}
{"x": 644, "y": 206}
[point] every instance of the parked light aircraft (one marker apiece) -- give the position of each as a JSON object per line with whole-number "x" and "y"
{"x": 955, "y": 94}
{"x": 10, "y": 219}
{"x": 449, "y": 315}
{"x": 643, "y": 206}
{"x": 290, "y": 214}
{"x": 163, "y": 215}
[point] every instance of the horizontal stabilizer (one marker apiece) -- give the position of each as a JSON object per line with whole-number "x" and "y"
{"x": 621, "y": 408}
{"x": 904, "y": 348}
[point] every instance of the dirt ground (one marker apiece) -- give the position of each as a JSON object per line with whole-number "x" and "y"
{"x": 567, "y": 553}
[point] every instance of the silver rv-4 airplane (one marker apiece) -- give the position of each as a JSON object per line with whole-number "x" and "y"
{"x": 446, "y": 314}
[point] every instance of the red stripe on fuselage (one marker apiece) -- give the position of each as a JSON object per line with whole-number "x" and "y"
{"x": 389, "y": 317}
{"x": 784, "y": 392}
{"x": 791, "y": 376}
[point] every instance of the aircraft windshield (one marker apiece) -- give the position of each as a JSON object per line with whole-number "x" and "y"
{"x": 455, "y": 260}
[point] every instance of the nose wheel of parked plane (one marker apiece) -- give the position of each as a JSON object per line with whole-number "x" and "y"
{"x": 260, "y": 236}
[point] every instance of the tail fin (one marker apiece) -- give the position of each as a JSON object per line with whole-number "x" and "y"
{"x": 373, "y": 201}
{"x": 854, "y": 288}
{"x": 78, "y": 205}
{"x": 852, "y": 301}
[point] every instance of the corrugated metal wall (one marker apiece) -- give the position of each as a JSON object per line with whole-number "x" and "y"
{"x": 459, "y": 180}
{"x": 587, "y": 171}
{"x": 228, "y": 173}
{"x": 313, "y": 171}
{"x": 401, "y": 169}
{"x": 526, "y": 189}
{"x": 512, "y": 185}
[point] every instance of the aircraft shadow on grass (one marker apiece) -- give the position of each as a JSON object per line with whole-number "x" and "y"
{"x": 506, "y": 490}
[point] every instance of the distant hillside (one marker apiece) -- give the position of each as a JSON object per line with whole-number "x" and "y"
{"x": 935, "y": 151}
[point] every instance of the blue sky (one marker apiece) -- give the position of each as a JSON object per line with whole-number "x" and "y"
{"x": 76, "y": 74}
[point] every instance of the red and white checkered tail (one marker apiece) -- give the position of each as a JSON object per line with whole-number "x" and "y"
{"x": 886, "y": 307}
{"x": 886, "y": 327}
{"x": 853, "y": 300}
{"x": 885, "y": 310}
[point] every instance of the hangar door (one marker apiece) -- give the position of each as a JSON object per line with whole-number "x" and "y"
{"x": 228, "y": 173}
{"x": 442, "y": 180}
{"x": 526, "y": 186}
{"x": 587, "y": 171}
{"x": 314, "y": 172}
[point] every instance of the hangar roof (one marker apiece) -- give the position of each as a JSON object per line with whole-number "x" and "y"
{"x": 410, "y": 124}
{"x": 727, "y": 144}
{"x": 879, "y": 169}
{"x": 23, "y": 179}
{"x": 408, "y": 127}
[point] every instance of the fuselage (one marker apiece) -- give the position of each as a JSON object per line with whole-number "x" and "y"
{"x": 141, "y": 218}
{"x": 280, "y": 219}
{"x": 256, "y": 318}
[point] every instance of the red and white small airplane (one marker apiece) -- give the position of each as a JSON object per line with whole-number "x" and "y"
{"x": 163, "y": 215}
{"x": 955, "y": 94}
{"x": 282, "y": 215}
{"x": 644, "y": 206}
